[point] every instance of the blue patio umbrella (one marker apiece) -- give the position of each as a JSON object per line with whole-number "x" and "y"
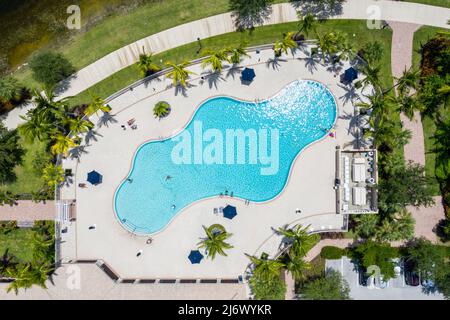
{"x": 248, "y": 74}
{"x": 195, "y": 256}
{"x": 229, "y": 212}
{"x": 94, "y": 177}
{"x": 350, "y": 74}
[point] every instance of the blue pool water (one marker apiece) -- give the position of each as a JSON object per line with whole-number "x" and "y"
{"x": 160, "y": 186}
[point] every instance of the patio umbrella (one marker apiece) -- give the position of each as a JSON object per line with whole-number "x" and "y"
{"x": 229, "y": 212}
{"x": 94, "y": 177}
{"x": 195, "y": 256}
{"x": 248, "y": 74}
{"x": 350, "y": 74}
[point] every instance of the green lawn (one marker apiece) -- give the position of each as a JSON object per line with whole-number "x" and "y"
{"x": 439, "y": 3}
{"x": 19, "y": 242}
{"x": 27, "y": 179}
{"x": 261, "y": 35}
{"x": 429, "y": 127}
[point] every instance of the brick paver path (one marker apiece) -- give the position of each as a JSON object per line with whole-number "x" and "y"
{"x": 27, "y": 210}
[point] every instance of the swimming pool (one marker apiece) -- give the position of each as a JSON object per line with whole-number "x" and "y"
{"x": 160, "y": 186}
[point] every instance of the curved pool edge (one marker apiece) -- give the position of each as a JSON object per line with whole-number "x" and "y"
{"x": 136, "y": 152}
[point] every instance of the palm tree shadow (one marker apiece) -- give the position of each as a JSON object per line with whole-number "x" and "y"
{"x": 311, "y": 64}
{"x": 179, "y": 89}
{"x": 91, "y": 135}
{"x": 148, "y": 81}
{"x": 356, "y": 124}
{"x": 274, "y": 63}
{"x": 214, "y": 79}
{"x": 233, "y": 71}
{"x": 335, "y": 67}
{"x": 77, "y": 152}
{"x": 350, "y": 94}
{"x": 106, "y": 119}
{"x": 68, "y": 181}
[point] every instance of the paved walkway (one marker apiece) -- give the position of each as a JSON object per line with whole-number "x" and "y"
{"x": 401, "y": 59}
{"x": 27, "y": 210}
{"x": 88, "y": 282}
{"x": 223, "y": 23}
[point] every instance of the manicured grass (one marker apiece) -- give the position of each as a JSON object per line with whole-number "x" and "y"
{"x": 429, "y": 127}
{"x": 27, "y": 179}
{"x": 19, "y": 242}
{"x": 438, "y": 3}
{"x": 356, "y": 29}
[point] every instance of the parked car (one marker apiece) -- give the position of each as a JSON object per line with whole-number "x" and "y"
{"x": 411, "y": 277}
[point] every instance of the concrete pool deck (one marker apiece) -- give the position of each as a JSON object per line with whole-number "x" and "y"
{"x": 310, "y": 187}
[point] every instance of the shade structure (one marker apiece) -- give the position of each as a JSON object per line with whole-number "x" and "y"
{"x": 248, "y": 74}
{"x": 350, "y": 74}
{"x": 94, "y": 177}
{"x": 195, "y": 257}
{"x": 229, "y": 212}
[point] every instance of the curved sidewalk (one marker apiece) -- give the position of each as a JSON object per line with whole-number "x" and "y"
{"x": 223, "y": 23}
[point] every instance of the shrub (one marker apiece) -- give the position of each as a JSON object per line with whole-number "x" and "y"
{"x": 332, "y": 253}
{"x": 330, "y": 287}
{"x": 272, "y": 288}
{"x": 12, "y": 93}
{"x": 49, "y": 68}
{"x": 161, "y": 110}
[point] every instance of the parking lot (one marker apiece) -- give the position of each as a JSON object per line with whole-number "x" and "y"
{"x": 396, "y": 288}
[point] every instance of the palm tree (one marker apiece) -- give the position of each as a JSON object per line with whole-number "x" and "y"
{"x": 297, "y": 266}
{"x": 284, "y": 45}
{"x": 332, "y": 42}
{"x": 266, "y": 268}
{"x": 179, "y": 74}
{"x": 79, "y": 125}
{"x": 46, "y": 118}
{"x": 53, "y": 175}
{"x": 405, "y": 103}
{"x": 300, "y": 240}
{"x": 215, "y": 59}
{"x": 214, "y": 243}
{"x": 27, "y": 275}
{"x": 307, "y": 23}
{"x": 7, "y": 262}
{"x": 97, "y": 104}
{"x": 444, "y": 92}
{"x": 236, "y": 54}
{"x": 62, "y": 144}
{"x": 10, "y": 89}
{"x": 161, "y": 109}
{"x": 22, "y": 278}
{"x": 389, "y": 135}
{"x": 381, "y": 108}
{"x": 409, "y": 80}
{"x": 372, "y": 76}
{"x": 146, "y": 65}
